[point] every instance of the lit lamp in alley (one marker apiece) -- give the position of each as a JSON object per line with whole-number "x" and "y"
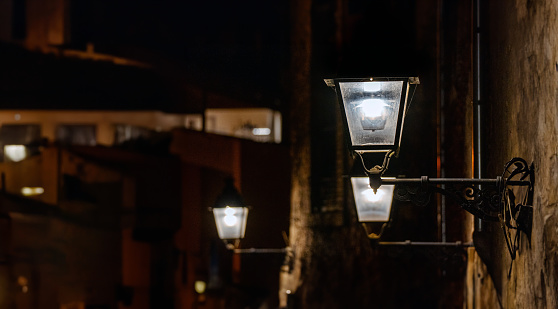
{"x": 230, "y": 214}
{"x": 371, "y": 206}
{"x": 374, "y": 110}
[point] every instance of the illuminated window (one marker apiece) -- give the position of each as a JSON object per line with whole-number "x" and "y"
{"x": 15, "y": 153}
{"x": 20, "y": 141}
{"x": 257, "y": 124}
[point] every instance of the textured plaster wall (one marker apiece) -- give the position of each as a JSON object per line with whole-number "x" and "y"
{"x": 521, "y": 80}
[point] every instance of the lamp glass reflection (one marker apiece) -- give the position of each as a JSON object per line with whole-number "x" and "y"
{"x": 372, "y": 207}
{"x": 231, "y": 221}
{"x": 372, "y": 110}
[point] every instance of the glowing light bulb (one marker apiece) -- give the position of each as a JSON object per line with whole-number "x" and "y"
{"x": 372, "y": 108}
{"x": 373, "y": 197}
{"x": 230, "y": 219}
{"x": 200, "y": 286}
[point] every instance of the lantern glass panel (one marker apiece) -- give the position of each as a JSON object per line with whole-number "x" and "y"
{"x": 372, "y": 109}
{"x": 231, "y": 221}
{"x": 372, "y": 207}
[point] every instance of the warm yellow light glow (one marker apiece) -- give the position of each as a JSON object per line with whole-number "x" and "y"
{"x": 373, "y": 197}
{"x": 200, "y": 286}
{"x": 30, "y": 191}
{"x": 15, "y": 153}
{"x": 21, "y": 280}
{"x": 372, "y": 108}
{"x": 26, "y": 191}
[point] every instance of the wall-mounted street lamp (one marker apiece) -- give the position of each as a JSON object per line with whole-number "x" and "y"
{"x": 231, "y": 214}
{"x": 374, "y": 111}
{"x": 372, "y": 207}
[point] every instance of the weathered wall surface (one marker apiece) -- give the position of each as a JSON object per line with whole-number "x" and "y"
{"x": 521, "y": 96}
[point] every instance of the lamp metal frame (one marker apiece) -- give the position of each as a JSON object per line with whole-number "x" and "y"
{"x": 409, "y": 83}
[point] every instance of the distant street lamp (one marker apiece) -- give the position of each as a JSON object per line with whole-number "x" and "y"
{"x": 230, "y": 214}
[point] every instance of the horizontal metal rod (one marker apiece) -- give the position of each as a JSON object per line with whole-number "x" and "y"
{"x": 258, "y": 250}
{"x": 441, "y": 181}
{"x": 389, "y": 181}
{"x": 422, "y": 243}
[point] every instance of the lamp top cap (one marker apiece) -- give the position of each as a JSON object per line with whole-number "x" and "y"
{"x": 229, "y": 196}
{"x": 330, "y": 82}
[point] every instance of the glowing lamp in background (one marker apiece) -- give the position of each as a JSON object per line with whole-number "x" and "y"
{"x": 200, "y": 286}
{"x": 231, "y": 222}
{"x": 370, "y": 206}
{"x": 230, "y": 213}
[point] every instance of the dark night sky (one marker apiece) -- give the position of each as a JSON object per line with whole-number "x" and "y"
{"x": 232, "y": 47}
{"x": 237, "y": 49}
{"x": 220, "y": 43}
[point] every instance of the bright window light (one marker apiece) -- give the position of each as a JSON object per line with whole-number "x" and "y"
{"x": 261, "y": 131}
{"x": 30, "y": 191}
{"x": 15, "y": 153}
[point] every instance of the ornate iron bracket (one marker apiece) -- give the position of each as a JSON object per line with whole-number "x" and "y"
{"x": 480, "y": 197}
{"x": 487, "y": 199}
{"x": 377, "y": 171}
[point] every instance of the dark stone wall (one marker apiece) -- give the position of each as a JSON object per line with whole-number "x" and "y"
{"x": 520, "y": 91}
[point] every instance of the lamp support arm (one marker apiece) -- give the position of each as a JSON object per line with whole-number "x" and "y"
{"x": 488, "y": 199}
{"x": 457, "y": 244}
{"x": 481, "y": 197}
{"x": 287, "y": 251}
{"x": 262, "y": 250}
{"x": 375, "y": 173}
